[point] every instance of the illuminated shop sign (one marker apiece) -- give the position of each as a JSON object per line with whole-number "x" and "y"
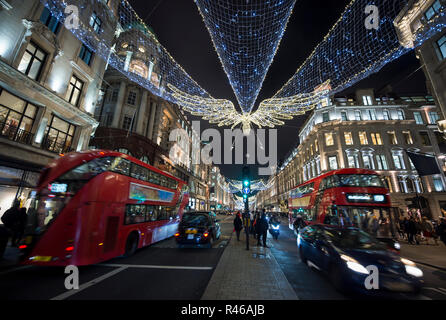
{"x": 58, "y": 187}
{"x": 366, "y": 197}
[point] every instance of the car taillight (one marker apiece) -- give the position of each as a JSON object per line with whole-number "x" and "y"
{"x": 23, "y": 246}
{"x": 69, "y": 249}
{"x": 177, "y": 234}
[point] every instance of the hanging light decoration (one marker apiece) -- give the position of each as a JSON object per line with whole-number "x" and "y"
{"x": 246, "y": 36}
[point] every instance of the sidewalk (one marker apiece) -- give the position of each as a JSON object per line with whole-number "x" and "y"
{"x": 10, "y": 258}
{"x": 434, "y": 256}
{"x": 248, "y": 275}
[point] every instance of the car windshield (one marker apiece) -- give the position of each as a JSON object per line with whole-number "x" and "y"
{"x": 353, "y": 239}
{"x": 195, "y": 219}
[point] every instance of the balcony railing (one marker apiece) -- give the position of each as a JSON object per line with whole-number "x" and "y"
{"x": 15, "y": 133}
{"x": 52, "y": 145}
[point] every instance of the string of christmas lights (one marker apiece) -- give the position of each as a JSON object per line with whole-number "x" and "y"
{"x": 350, "y": 51}
{"x": 120, "y": 37}
{"x": 246, "y": 36}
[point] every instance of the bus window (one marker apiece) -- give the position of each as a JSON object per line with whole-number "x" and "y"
{"x": 122, "y": 166}
{"x": 154, "y": 178}
{"x": 139, "y": 172}
{"x": 151, "y": 213}
{"x": 135, "y": 214}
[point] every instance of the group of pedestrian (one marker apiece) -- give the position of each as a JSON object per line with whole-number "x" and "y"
{"x": 14, "y": 222}
{"x": 259, "y": 226}
{"x": 416, "y": 230}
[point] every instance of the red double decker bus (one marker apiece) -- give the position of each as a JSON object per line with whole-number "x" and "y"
{"x": 95, "y": 205}
{"x": 348, "y": 197}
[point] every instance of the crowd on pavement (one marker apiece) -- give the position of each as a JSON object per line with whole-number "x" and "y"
{"x": 417, "y": 230}
{"x": 258, "y": 225}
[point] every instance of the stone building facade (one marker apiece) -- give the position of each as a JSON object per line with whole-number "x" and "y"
{"x": 370, "y": 132}
{"x": 49, "y": 87}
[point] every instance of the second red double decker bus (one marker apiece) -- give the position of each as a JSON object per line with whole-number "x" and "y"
{"x": 350, "y": 197}
{"x": 95, "y": 205}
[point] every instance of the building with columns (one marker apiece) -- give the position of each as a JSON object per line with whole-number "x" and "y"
{"x": 364, "y": 131}
{"x": 425, "y": 19}
{"x": 49, "y": 86}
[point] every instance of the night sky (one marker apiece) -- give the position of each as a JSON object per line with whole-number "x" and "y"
{"x": 181, "y": 30}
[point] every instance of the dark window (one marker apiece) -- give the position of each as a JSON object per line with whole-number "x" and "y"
{"x": 126, "y": 123}
{"x": 50, "y": 21}
{"x": 32, "y": 61}
{"x": 95, "y": 22}
{"x": 442, "y": 46}
{"x": 131, "y": 99}
{"x": 86, "y": 54}
{"x": 425, "y": 139}
{"x": 433, "y": 10}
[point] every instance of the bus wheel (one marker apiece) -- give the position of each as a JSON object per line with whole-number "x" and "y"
{"x": 131, "y": 245}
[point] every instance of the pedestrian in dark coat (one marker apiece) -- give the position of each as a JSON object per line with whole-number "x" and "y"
{"x": 262, "y": 226}
{"x": 412, "y": 230}
{"x": 11, "y": 220}
{"x": 238, "y": 225}
{"x": 442, "y": 230}
{"x": 4, "y": 236}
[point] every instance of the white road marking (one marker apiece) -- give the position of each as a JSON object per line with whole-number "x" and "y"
{"x": 67, "y": 294}
{"x": 311, "y": 264}
{"x": 144, "y": 266}
{"x": 15, "y": 269}
{"x": 439, "y": 290}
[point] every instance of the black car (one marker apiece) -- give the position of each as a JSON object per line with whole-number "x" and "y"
{"x": 198, "y": 229}
{"x": 349, "y": 256}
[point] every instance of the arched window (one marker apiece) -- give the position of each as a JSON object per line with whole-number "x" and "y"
{"x": 140, "y": 68}
{"x": 125, "y": 151}
{"x": 145, "y": 159}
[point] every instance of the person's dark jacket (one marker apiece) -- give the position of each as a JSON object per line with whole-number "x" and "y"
{"x": 238, "y": 224}
{"x": 11, "y": 218}
{"x": 411, "y": 227}
{"x": 262, "y": 226}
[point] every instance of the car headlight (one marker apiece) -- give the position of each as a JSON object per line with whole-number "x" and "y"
{"x": 354, "y": 265}
{"x": 397, "y": 246}
{"x": 411, "y": 268}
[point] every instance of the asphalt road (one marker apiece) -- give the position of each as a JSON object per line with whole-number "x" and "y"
{"x": 158, "y": 272}
{"x": 310, "y": 284}
{"x": 164, "y": 272}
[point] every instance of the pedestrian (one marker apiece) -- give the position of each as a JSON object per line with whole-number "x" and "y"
{"x": 412, "y": 230}
{"x": 373, "y": 225}
{"x": 262, "y": 229}
{"x": 442, "y": 230}
{"x": 4, "y": 237}
{"x": 238, "y": 225}
{"x": 11, "y": 220}
{"x": 419, "y": 230}
{"x": 427, "y": 229}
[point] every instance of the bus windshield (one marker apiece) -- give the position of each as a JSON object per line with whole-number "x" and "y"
{"x": 47, "y": 205}
{"x": 359, "y": 180}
